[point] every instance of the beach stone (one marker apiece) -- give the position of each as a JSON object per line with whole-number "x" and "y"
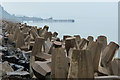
{"x": 17, "y": 75}
{"x": 6, "y": 68}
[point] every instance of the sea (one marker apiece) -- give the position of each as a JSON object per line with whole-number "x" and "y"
{"x": 83, "y": 27}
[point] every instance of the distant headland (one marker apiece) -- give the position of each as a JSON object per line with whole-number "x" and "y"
{"x": 7, "y": 16}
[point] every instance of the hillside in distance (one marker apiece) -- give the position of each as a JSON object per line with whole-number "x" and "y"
{"x": 7, "y": 16}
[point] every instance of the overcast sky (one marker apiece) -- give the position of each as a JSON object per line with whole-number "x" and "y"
{"x": 59, "y": 0}
{"x": 62, "y": 10}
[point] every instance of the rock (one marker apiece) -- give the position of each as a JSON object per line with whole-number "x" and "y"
{"x": 16, "y": 67}
{"x": 54, "y": 34}
{"x": 107, "y": 78}
{"x": 43, "y": 55}
{"x": 90, "y": 38}
{"x": 57, "y": 44}
{"x": 41, "y": 69}
{"x": 1, "y": 48}
{"x": 38, "y": 46}
{"x": 66, "y": 36}
{"x": 1, "y": 39}
{"x": 6, "y": 68}
{"x": 103, "y": 40}
{"x": 83, "y": 44}
{"x": 70, "y": 42}
{"x": 48, "y": 46}
{"x": 114, "y": 67}
{"x": 26, "y": 55}
{"x": 11, "y": 59}
{"x": 17, "y": 75}
{"x": 4, "y": 49}
{"x": 103, "y": 71}
{"x": 0, "y": 69}
{"x": 20, "y": 40}
{"x": 85, "y": 65}
{"x": 81, "y": 65}
{"x": 1, "y": 56}
{"x": 59, "y": 67}
{"x": 73, "y": 70}
{"x": 34, "y": 33}
{"x": 109, "y": 53}
{"x": 95, "y": 48}
{"x": 78, "y": 38}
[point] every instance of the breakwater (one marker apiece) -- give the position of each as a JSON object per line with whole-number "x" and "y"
{"x": 29, "y": 52}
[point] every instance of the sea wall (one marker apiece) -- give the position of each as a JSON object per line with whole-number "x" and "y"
{"x": 29, "y": 52}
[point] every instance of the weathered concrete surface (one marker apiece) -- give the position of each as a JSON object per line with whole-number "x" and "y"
{"x": 59, "y": 66}
{"x": 31, "y": 49}
{"x": 85, "y": 66}
{"x": 73, "y": 70}
{"x": 114, "y": 67}
{"x": 95, "y": 48}
{"x": 109, "y": 53}
{"x": 81, "y": 65}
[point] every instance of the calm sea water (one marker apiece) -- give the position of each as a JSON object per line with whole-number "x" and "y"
{"x": 84, "y": 28}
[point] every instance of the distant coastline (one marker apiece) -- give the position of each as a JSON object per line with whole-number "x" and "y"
{"x": 7, "y": 16}
{"x": 36, "y": 19}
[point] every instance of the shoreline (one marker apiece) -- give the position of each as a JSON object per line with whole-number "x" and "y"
{"x": 36, "y": 52}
